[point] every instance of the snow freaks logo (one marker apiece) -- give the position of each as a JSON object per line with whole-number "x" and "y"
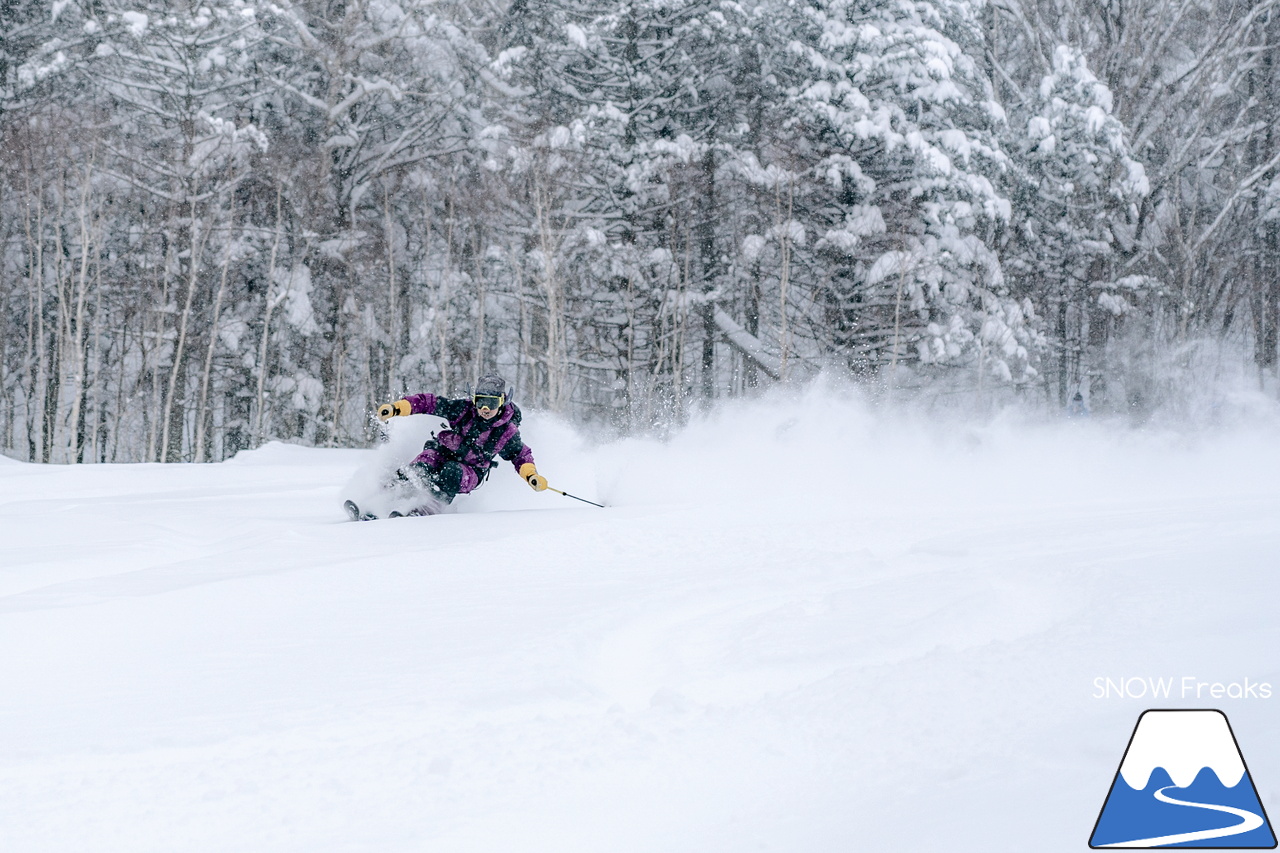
{"x": 1186, "y": 687}
{"x": 1182, "y": 783}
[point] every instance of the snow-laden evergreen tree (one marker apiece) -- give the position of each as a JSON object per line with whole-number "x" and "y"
{"x": 631, "y": 111}
{"x": 27, "y": 50}
{"x": 1194, "y": 85}
{"x": 891, "y": 200}
{"x": 1077, "y": 193}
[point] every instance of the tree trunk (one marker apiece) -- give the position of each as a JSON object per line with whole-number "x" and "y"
{"x": 35, "y": 319}
{"x": 174, "y": 408}
{"x": 751, "y": 322}
{"x": 82, "y": 393}
{"x": 52, "y": 389}
{"x": 58, "y": 338}
{"x": 269, "y": 304}
{"x": 202, "y": 409}
{"x": 155, "y": 411}
{"x": 1062, "y": 348}
{"x": 393, "y": 304}
{"x": 78, "y": 341}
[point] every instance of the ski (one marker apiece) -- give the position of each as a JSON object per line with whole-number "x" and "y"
{"x": 354, "y": 513}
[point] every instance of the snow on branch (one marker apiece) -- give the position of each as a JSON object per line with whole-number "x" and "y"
{"x": 746, "y": 343}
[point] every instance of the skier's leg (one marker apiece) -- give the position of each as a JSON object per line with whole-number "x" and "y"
{"x": 441, "y": 483}
{"x": 445, "y": 483}
{"x": 424, "y": 469}
{"x": 455, "y": 479}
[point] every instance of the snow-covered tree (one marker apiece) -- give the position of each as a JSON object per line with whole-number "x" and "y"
{"x": 1194, "y": 86}
{"x": 632, "y": 111}
{"x": 226, "y": 222}
{"x": 895, "y": 189}
{"x": 370, "y": 98}
{"x": 182, "y": 80}
{"x": 1077, "y": 192}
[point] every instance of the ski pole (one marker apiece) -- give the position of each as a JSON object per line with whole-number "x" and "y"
{"x": 575, "y": 497}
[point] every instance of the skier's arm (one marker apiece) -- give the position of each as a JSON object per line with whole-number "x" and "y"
{"x": 520, "y": 455}
{"x": 423, "y": 404}
{"x": 417, "y": 404}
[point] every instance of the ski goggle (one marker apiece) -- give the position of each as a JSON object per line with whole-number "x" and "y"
{"x": 486, "y": 401}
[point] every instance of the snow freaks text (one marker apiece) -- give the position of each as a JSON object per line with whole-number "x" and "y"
{"x": 1185, "y": 687}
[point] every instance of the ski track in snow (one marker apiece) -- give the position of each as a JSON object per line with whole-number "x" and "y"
{"x": 753, "y": 648}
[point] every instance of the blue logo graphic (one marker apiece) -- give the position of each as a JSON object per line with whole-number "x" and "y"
{"x": 1183, "y": 783}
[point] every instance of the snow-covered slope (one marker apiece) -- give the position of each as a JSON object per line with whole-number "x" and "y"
{"x": 797, "y": 627}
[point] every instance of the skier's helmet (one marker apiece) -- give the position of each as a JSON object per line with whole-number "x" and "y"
{"x": 490, "y": 393}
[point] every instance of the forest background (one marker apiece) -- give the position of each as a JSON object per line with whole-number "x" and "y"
{"x": 228, "y": 222}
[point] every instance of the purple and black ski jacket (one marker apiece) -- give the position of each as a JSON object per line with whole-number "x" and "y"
{"x": 470, "y": 439}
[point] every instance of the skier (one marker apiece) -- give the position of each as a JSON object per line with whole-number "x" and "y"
{"x": 458, "y": 459}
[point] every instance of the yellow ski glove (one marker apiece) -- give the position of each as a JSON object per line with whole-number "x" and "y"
{"x": 387, "y": 411}
{"x": 531, "y": 475}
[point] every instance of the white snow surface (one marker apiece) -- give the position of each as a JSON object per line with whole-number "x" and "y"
{"x": 1183, "y": 743}
{"x": 798, "y": 626}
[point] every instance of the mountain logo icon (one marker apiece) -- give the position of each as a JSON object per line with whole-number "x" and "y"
{"x": 1183, "y": 783}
